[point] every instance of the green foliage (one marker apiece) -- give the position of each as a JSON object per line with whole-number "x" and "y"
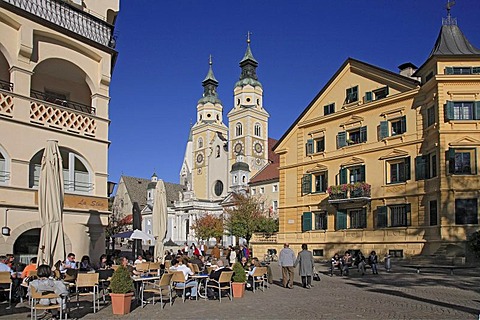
{"x": 242, "y": 219}
{"x": 239, "y": 274}
{"x": 267, "y": 225}
{"x": 208, "y": 226}
{"x": 474, "y": 243}
{"x": 121, "y": 281}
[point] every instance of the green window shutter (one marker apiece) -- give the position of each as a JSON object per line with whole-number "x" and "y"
{"x": 310, "y": 146}
{"x": 427, "y": 166}
{"x": 387, "y": 90}
{"x": 368, "y": 96}
{"x": 475, "y": 70}
{"x": 451, "y": 160}
{"x": 381, "y": 221}
{"x": 408, "y": 210}
{"x": 383, "y": 129}
{"x": 407, "y": 168}
{"x": 448, "y": 70}
{"x": 325, "y": 182}
{"x": 306, "y": 184}
{"x": 449, "y": 110}
{"x": 403, "y": 123}
{"x": 363, "y": 134}
{"x": 341, "y": 220}
{"x": 343, "y": 175}
{"x": 363, "y": 178}
{"x": 341, "y": 139}
{"x": 325, "y": 110}
{"x": 363, "y": 223}
{"x": 477, "y": 110}
{"x": 420, "y": 168}
{"x": 306, "y": 221}
{"x": 320, "y": 145}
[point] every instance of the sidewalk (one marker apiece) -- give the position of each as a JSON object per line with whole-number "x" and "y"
{"x": 400, "y": 294}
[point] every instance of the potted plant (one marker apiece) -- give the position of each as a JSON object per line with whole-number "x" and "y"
{"x": 239, "y": 280}
{"x": 122, "y": 288}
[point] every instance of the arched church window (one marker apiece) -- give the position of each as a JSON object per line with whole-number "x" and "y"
{"x": 238, "y": 129}
{"x": 200, "y": 143}
{"x": 217, "y": 151}
{"x": 258, "y": 130}
{"x": 4, "y": 173}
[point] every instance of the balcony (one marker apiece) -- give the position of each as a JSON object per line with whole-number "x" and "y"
{"x": 5, "y": 85}
{"x": 69, "y": 18}
{"x": 64, "y": 103}
{"x": 359, "y": 191}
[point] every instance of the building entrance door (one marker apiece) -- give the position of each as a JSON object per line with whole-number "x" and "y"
{"x": 26, "y": 245}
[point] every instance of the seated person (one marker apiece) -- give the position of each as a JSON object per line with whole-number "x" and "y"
{"x": 215, "y": 275}
{"x": 244, "y": 263}
{"x": 69, "y": 263}
{"x": 45, "y": 283}
{"x": 103, "y": 263}
{"x": 139, "y": 260}
{"x": 360, "y": 262}
{"x": 31, "y": 267}
{"x": 85, "y": 264}
{"x": 347, "y": 262}
{"x": 178, "y": 265}
{"x": 255, "y": 264}
{"x": 199, "y": 261}
{"x": 336, "y": 262}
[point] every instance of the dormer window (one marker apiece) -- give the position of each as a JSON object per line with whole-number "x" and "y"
{"x": 351, "y": 95}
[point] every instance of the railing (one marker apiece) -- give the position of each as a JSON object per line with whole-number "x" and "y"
{"x": 4, "y": 176}
{"x": 70, "y": 186}
{"x": 5, "y": 85}
{"x": 70, "y": 18}
{"x": 261, "y": 237}
{"x": 64, "y": 103}
{"x": 349, "y": 191}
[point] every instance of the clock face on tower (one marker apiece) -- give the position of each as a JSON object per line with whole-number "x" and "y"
{"x": 199, "y": 158}
{"x": 238, "y": 148}
{"x": 258, "y": 147}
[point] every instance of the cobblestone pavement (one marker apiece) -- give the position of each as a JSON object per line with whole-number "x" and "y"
{"x": 400, "y": 294}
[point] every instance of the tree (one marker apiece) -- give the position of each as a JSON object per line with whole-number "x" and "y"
{"x": 208, "y": 226}
{"x": 246, "y": 217}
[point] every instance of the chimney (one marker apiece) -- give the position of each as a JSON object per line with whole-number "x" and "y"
{"x": 407, "y": 69}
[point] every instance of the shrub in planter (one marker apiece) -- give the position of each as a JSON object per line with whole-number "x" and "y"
{"x": 122, "y": 288}
{"x": 239, "y": 279}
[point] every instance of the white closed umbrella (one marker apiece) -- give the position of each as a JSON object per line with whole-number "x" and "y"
{"x": 50, "y": 206}
{"x": 159, "y": 217}
{"x": 141, "y": 235}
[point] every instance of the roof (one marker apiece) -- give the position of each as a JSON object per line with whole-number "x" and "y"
{"x": 137, "y": 190}
{"x": 404, "y": 79}
{"x": 451, "y": 41}
{"x": 240, "y": 166}
{"x": 270, "y": 171}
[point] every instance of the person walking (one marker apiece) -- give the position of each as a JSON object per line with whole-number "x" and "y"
{"x": 286, "y": 260}
{"x": 305, "y": 260}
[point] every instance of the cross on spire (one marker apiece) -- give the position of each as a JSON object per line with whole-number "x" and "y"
{"x": 248, "y": 36}
{"x": 210, "y": 60}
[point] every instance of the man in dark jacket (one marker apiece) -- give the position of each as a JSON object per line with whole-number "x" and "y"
{"x": 215, "y": 275}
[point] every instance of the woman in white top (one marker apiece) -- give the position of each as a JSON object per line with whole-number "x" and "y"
{"x": 233, "y": 256}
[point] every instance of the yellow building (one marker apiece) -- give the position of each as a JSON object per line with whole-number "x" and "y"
{"x": 56, "y": 60}
{"x": 384, "y": 161}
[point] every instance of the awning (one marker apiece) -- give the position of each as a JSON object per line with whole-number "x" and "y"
{"x": 125, "y": 234}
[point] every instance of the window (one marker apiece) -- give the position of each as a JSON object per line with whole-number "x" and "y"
{"x": 328, "y": 109}
{"x": 275, "y": 188}
{"x": 200, "y": 143}
{"x": 353, "y": 219}
{"x": 254, "y": 191}
{"x": 315, "y": 145}
{"x": 351, "y": 95}
{"x": 217, "y": 152}
{"x": 149, "y": 222}
{"x": 350, "y": 137}
{"x": 309, "y": 147}
{"x": 4, "y": 174}
{"x": 462, "y": 110}
{"x": 433, "y": 212}
{"x": 395, "y": 253}
{"x": 466, "y": 211}
{"x": 399, "y": 170}
{"x": 392, "y": 127}
{"x": 317, "y": 252}
{"x": 321, "y": 220}
{"x": 262, "y": 190}
{"x": 306, "y": 221}
{"x": 306, "y": 184}
{"x": 352, "y": 174}
{"x": 218, "y": 188}
{"x": 258, "y": 130}
{"x": 393, "y": 216}
{"x": 381, "y": 93}
{"x": 426, "y": 166}
{"x": 321, "y": 183}
{"x": 430, "y": 116}
{"x": 274, "y": 205}
{"x": 461, "y": 161}
{"x": 76, "y": 175}
{"x": 238, "y": 129}
{"x": 462, "y": 70}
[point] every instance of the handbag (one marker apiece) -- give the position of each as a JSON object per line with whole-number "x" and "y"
{"x": 316, "y": 276}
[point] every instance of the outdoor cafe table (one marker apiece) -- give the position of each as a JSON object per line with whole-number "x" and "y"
{"x": 199, "y": 278}
{"x": 140, "y": 280}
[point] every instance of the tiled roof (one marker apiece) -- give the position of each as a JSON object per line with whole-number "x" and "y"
{"x": 137, "y": 189}
{"x": 270, "y": 171}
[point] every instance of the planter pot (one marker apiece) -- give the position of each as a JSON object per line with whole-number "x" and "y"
{"x": 121, "y": 302}
{"x": 238, "y": 289}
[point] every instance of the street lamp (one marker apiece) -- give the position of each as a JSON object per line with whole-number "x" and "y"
{"x": 110, "y": 187}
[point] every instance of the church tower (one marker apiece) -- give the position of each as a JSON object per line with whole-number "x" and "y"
{"x": 209, "y": 144}
{"x": 248, "y": 120}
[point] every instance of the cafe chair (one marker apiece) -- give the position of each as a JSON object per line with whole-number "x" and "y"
{"x": 259, "y": 278}
{"x": 223, "y": 284}
{"x": 87, "y": 285}
{"x": 104, "y": 277}
{"x": 6, "y": 285}
{"x": 153, "y": 268}
{"x": 142, "y": 267}
{"x": 195, "y": 268}
{"x": 162, "y": 287}
{"x": 179, "y": 277}
{"x": 35, "y": 305}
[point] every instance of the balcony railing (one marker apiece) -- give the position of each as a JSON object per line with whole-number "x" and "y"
{"x": 359, "y": 190}
{"x": 4, "y": 176}
{"x": 5, "y": 85}
{"x": 64, "y": 103}
{"x": 69, "y": 18}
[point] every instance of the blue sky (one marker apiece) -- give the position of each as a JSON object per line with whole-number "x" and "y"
{"x": 164, "y": 48}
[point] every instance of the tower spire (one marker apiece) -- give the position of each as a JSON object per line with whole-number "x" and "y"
{"x": 249, "y": 67}
{"x": 210, "y": 85}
